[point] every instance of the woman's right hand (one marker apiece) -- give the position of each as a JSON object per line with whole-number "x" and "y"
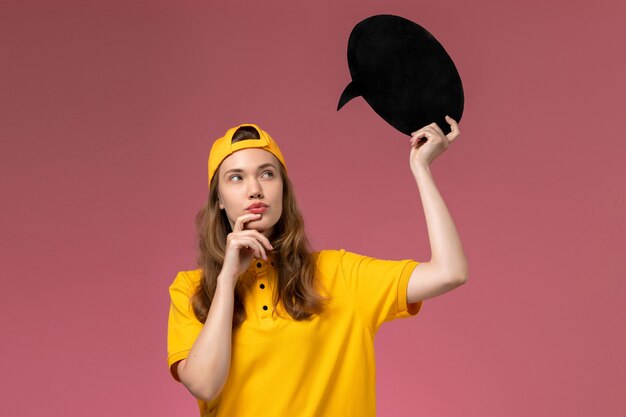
{"x": 242, "y": 245}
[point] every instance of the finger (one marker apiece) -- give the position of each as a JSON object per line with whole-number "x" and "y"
{"x": 241, "y": 220}
{"x": 416, "y": 140}
{"x": 436, "y": 127}
{"x": 415, "y": 136}
{"x": 250, "y": 244}
{"x": 424, "y": 132}
{"x": 454, "y": 128}
{"x": 259, "y": 250}
{"x": 257, "y": 235}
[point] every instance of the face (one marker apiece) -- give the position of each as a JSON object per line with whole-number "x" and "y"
{"x": 251, "y": 176}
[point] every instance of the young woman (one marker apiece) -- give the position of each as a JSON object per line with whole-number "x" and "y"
{"x": 265, "y": 327}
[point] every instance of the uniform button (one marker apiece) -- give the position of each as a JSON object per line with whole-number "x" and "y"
{"x": 262, "y": 286}
{"x": 264, "y": 307}
{"x": 258, "y": 264}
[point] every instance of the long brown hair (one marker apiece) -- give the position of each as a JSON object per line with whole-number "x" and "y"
{"x": 297, "y": 283}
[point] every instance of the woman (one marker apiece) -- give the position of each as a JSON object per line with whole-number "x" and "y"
{"x": 264, "y": 326}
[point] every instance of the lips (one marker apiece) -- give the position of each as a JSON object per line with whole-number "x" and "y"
{"x": 257, "y": 208}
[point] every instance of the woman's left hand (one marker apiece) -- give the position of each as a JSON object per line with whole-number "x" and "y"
{"x": 435, "y": 142}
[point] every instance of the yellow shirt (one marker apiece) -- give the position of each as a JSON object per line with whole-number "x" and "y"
{"x": 283, "y": 367}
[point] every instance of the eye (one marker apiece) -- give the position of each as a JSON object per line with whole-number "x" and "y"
{"x": 233, "y": 176}
{"x": 271, "y": 174}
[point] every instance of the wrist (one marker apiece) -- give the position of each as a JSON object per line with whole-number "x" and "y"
{"x": 420, "y": 169}
{"x": 226, "y": 281}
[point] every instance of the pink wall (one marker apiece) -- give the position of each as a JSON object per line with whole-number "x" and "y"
{"x": 107, "y": 112}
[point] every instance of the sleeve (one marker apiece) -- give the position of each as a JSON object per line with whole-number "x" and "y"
{"x": 379, "y": 287}
{"x": 183, "y": 327}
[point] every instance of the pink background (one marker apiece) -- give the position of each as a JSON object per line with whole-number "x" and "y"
{"x": 107, "y": 112}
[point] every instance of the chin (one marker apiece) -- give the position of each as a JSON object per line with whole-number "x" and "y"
{"x": 262, "y": 226}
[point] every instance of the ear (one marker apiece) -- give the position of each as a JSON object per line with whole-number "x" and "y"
{"x": 219, "y": 201}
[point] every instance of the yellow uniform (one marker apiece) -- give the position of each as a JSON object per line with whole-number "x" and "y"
{"x": 283, "y": 367}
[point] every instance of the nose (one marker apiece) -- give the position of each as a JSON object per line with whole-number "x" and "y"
{"x": 255, "y": 190}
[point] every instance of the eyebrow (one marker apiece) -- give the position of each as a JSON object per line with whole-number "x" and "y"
{"x": 238, "y": 170}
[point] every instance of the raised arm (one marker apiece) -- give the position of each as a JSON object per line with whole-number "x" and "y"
{"x": 205, "y": 370}
{"x": 447, "y": 268}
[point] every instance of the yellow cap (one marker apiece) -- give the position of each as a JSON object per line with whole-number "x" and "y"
{"x": 223, "y": 147}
